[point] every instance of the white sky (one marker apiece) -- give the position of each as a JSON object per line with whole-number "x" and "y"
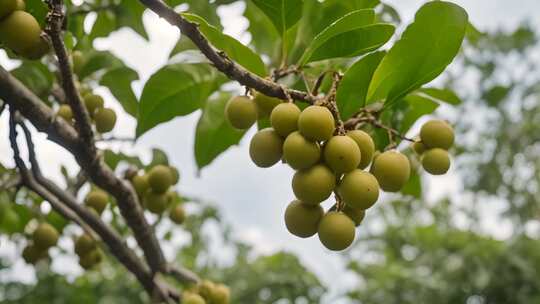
{"x": 252, "y": 199}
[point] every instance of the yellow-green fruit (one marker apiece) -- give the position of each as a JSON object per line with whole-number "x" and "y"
{"x": 31, "y": 254}
{"x": 299, "y": 152}
{"x": 436, "y": 161}
{"x": 241, "y": 112}
{"x": 177, "y": 214}
{"x": 92, "y": 103}
{"x": 156, "y": 202}
{"x": 437, "y": 134}
{"x": 265, "y": 104}
{"x": 140, "y": 184}
{"x": 21, "y": 5}
{"x": 192, "y": 298}
{"x": 392, "y": 170}
{"x": 356, "y": 215}
{"x": 84, "y": 244}
{"x": 419, "y": 147}
{"x": 336, "y": 231}
{"x": 206, "y": 288}
{"x": 359, "y": 189}
{"x": 316, "y": 123}
{"x": 105, "y": 120}
{"x": 90, "y": 259}
{"x": 97, "y": 200}
{"x": 65, "y": 112}
{"x": 20, "y": 31}
{"x": 7, "y": 7}
{"x": 342, "y": 154}
{"x": 266, "y": 148}
{"x": 221, "y": 294}
{"x": 45, "y": 236}
{"x": 160, "y": 178}
{"x": 78, "y": 61}
{"x": 302, "y": 219}
{"x": 314, "y": 185}
{"x": 39, "y": 50}
{"x": 284, "y": 118}
{"x": 175, "y": 175}
{"x": 366, "y": 145}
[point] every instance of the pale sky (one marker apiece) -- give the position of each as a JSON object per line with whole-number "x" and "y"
{"x": 252, "y": 199}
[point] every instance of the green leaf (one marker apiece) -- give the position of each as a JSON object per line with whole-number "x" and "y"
{"x": 129, "y": 14}
{"x": 494, "y": 95}
{"x": 263, "y": 33}
{"x": 175, "y": 90}
{"x": 214, "y": 134}
{"x": 418, "y": 105}
{"x": 104, "y": 25}
{"x": 427, "y": 46}
{"x": 232, "y": 47}
{"x": 284, "y": 14}
{"x": 36, "y": 76}
{"x": 183, "y": 44}
{"x": 97, "y": 61}
{"x": 38, "y": 9}
{"x": 413, "y": 187}
{"x": 159, "y": 157}
{"x": 442, "y": 95}
{"x": 112, "y": 159}
{"x": 119, "y": 81}
{"x": 352, "y": 91}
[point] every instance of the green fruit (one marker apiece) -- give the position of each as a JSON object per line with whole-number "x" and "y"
{"x": 336, "y": 231}
{"x": 392, "y": 170}
{"x": 299, "y": 152}
{"x": 20, "y": 32}
{"x": 436, "y": 161}
{"x": 21, "y": 5}
{"x": 341, "y": 153}
{"x": 314, "y": 185}
{"x": 65, "y": 112}
{"x": 206, "y": 288}
{"x": 241, "y": 112}
{"x": 84, "y": 244}
{"x": 359, "y": 189}
{"x": 45, "y": 236}
{"x": 93, "y": 103}
{"x": 175, "y": 175}
{"x": 265, "y": 104}
{"x": 177, "y": 214}
{"x": 97, "y": 200}
{"x": 31, "y": 254}
{"x": 7, "y": 7}
{"x": 221, "y": 294}
{"x": 39, "y": 50}
{"x": 160, "y": 178}
{"x": 437, "y": 134}
{"x": 284, "y": 118}
{"x": 78, "y": 61}
{"x": 419, "y": 147}
{"x": 10, "y": 220}
{"x": 140, "y": 184}
{"x": 366, "y": 145}
{"x": 156, "y": 202}
{"x": 105, "y": 120}
{"x": 266, "y": 148}
{"x": 356, "y": 215}
{"x": 302, "y": 219}
{"x": 192, "y": 298}
{"x": 90, "y": 259}
{"x": 316, "y": 123}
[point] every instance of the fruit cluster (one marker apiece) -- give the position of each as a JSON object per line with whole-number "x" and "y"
{"x": 44, "y": 237}
{"x": 206, "y": 292}
{"x": 87, "y": 250}
{"x": 97, "y": 200}
{"x": 20, "y": 31}
{"x": 329, "y": 160}
{"x": 436, "y": 137}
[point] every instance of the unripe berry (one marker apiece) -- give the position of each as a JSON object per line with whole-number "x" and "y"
{"x": 314, "y": 185}
{"x": 241, "y": 112}
{"x": 21, "y": 5}
{"x": 392, "y": 170}
{"x": 65, "y": 112}
{"x": 175, "y": 175}
{"x": 436, "y": 161}
{"x": 419, "y": 147}
{"x": 221, "y": 294}
{"x": 266, "y": 148}
{"x": 284, "y": 118}
{"x": 39, "y": 50}
{"x": 84, "y": 244}
{"x": 31, "y": 254}
{"x": 265, "y": 104}
{"x": 366, "y": 145}
{"x": 299, "y": 152}
{"x": 20, "y": 32}
{"x": 316, "y": 123}
{"x": 192, "y": 298}
{"x": 97, "y": 200}
{"x": 336, "y": 231}
{"x": 90, "y": 259}
{"x": 93, "y": 103}
{"x": 78, "y": 60}
{"x": 356, "y": 215}
{"x": 45, "y": 236}
{"x": 156, "y": 202}
{"x": 302, "y": 219}
{"x": 7, "y": 7}
{"x": 140, "y": 184}
{"x": 177, "y": 214}
{"x": 105, "y": 120}
{"x": 205, "y": 288}
{"x": 359, "y": 189}
{"x": 160, "y": 178}
{"x": 342, "y": 154}
{"x": 437, "y": 134}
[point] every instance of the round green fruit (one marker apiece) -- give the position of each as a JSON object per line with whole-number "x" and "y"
{"x": 205, "y": 288}
{"x": 7, "y": 7}
{"x": 392, "y": 170}
{"x": 221, "y": 294}
{"x": 419, "y": 147}
{"x": 177, "y": 214}
{"x": 356, "y": 215}
{"x": 93, "y": 102}
{"x": 20, "y": 32}
{"x": 266, "y": 148}
{"x": 316, "y": 123}
{"x": 31, "y": 254}
{"x": 65, "y": 112}
{"x": 437, "y": 134}
{"x": 192, "y": 298}
{"x": 105, "y": 119}
{"x": 366, "y": 145}
{"x": 90, "y": 259}
{"x": 160, "y": 178}
{"x": 302, "y": 219}
{"x": 97, "y": 200}
{"x": 336, "y": 231}
{"x": 39, "y": 50}
{"x": 314, "y": 185}
{"x": 84, "y": 244}
{"x": 436, "y": 161}
{"x": 265, "y": 104}
{"x": 156, "y": 202}
{"x": 241, "y": 112}
{"x": 140, "y": 184}
{"x": 359, "y": 189}
{"x": 45, "y": 236}
{"x": 342, "y": 154}
{"x": 21, "y": 5}
{"x": 284, "y": 118}
{"x": 175, "y": 175}
{"x": 78, "y": 61}
{"x": 299, "y": 152}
